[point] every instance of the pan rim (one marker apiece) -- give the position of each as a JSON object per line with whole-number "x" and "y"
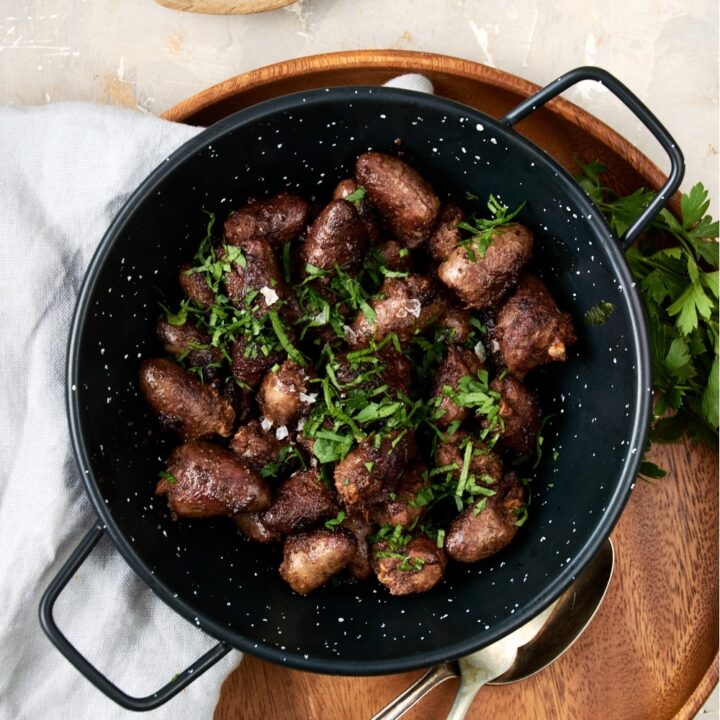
{"x": 641, "y": 407}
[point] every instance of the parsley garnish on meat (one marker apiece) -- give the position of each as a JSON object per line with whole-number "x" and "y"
{"x": 675, "y": 266}
{"x": 482, "y": 229}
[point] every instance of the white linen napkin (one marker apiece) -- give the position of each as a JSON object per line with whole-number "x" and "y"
{"x": 65, "y": 170}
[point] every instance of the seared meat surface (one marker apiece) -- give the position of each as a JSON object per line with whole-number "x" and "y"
{"x": 250, "y": 361}
{"x": 359, "y": 566}
{"x": 256, "y": 446}
{"x": 485, "y": 464}
{"x": 255, "y": 280}
{"x": 456, "y": 321}
{"x": 191, "y": 344}
{"x": 301, "y": 501}
{"x": 405, "y": 200}
{"x": 337, "y": 361}
{"x": 337, "y": 237}
{"x": 367, "y": 474}
{"x": 182, "y": 402}
{"x": 365, "y": 210}
{"x": 457, "y": 364}
{"x": 402, "y": 507}
{"x": 407, "y": 305}
{"x": 520, "y": 413}
{"x": 310, "y": 559}
{"x": 284, "y": 395}
{"x": 479, "y": 532}
{"x": 481, "y": 281}
{"x": 446, "y": 235}
{"x": 530, "y": 329}
{"x": 204, "y": 480}
{"x": 277, "y": 220}
{"x": 195, "y": 286}
{"x": 414, "y": 568}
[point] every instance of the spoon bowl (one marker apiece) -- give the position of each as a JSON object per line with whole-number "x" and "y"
{"x": 530, "y": 649}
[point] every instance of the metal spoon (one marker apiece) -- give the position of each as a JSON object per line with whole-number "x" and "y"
{"x": 524, "y": 652}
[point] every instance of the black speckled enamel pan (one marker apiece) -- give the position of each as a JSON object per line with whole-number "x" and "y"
{"x": 231, "y": 589}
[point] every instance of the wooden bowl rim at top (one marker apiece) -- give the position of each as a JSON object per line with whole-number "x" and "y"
{"x": 405, "y": 61}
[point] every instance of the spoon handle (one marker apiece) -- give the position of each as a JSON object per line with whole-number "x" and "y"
{"x": 467, "y": 691}
{"x": 403, "y": 702}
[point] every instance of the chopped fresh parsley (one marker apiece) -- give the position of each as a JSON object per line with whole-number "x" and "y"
{"x": 335, "y": 522}
{"x": 356, "y": 196}
{"x": 482, "y": 229}
{"x": 164, "y": 475}
{"x": 675, "y": 266}
{"x": 600, "y": 313}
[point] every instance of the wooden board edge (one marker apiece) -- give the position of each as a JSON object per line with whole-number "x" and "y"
{"x": 694, "y": 703}
{"x": 412, "y": 61}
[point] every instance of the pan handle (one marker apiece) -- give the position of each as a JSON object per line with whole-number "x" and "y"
{"x": 633, "y": 103}
{"x": 51, "y": 629}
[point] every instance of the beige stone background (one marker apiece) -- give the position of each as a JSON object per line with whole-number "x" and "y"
{"x": 138, "y": 54}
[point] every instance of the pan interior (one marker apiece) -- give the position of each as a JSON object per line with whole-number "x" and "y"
{"x": 598, "y": 398}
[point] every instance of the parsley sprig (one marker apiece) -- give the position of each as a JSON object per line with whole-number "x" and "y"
{"x": 676, "y": 268}
{"x": 482, "y": 229}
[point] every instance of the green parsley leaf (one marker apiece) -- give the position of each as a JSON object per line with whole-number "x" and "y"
{"x": 357, "y": 195}
{"x": 599, "y": 314}
{"x": 164, "y": 475}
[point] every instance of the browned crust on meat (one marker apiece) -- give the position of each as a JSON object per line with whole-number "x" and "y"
{"x": 277, "y": 220}
{"x": 210, "y": 481}
{"x": 404, "y": 199}
{"x": 182, "y": 402}
{"x": 530, "y": 329}
{"x": 483, "y": 281}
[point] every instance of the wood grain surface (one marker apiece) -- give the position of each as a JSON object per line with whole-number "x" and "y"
{"x": 224, "y": 7}
{"x": 651, "y": 652}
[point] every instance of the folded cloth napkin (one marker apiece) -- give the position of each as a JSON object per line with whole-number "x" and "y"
{"x": 66, "y": 170}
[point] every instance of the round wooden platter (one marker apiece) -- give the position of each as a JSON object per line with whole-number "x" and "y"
{"x": 651, "y": 652}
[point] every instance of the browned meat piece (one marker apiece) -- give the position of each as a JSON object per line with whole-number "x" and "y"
{"x": 252, "y": 527}
{"x": 192, "y": 344}
{"x": 302, "y": 500}
{"x": 365, "y": 210}
{"x": 255, "y": 446}
{"x": 360, "y": 565}
{"x": 458, "y": 363}
{"x": 406, "y": 201}
{"x": 195, "y": 286}
{"x": 241, "y": 401}
{"x": 530, "y": 329}
{"x": 520, "y": 412}
{"x": 311, "y": 559}
{"x": 402, "y": 508}
{"x": 415, "y": 568}
{"x": 395, "y": 256}
{"x": 277, "y": 219}
{"x": 182, "y": 402}
{"x": 337, "y": 237}
{"x": 208, "y": 481}
{"x": 473, "y": 536}
{"x": 283, "y": 395}
{"x": 367, "y": 474}
{"x": 249, "y": 364}
{"x": 446, "y": 234}
{"x": 481, "y": 282}
{"x": 395, "y": 371}
{"x": 485, "y": 465}
{"x": 457, "y": 322}
{"x": 408, "y": 305}
{"x": 258, "y": 272}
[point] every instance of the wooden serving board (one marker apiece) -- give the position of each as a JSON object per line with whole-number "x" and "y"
{"x": 652, "y": 651}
